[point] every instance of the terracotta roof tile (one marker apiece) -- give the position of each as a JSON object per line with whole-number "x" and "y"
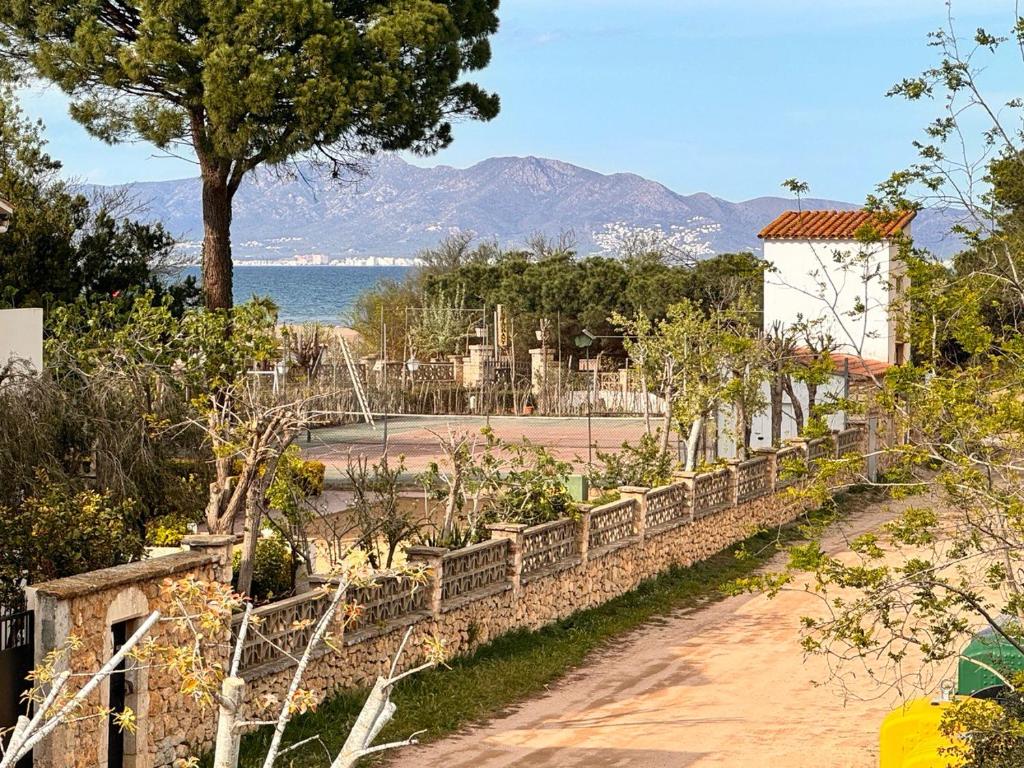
{"x": 860, "y": 367}
{"x": 832, "y": 225}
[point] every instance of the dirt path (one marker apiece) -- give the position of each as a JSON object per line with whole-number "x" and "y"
{"x": 725, "y": 685}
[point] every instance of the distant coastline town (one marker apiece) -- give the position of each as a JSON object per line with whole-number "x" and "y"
{"x": 323, "y": 260}
{"x": 320, "y": 260}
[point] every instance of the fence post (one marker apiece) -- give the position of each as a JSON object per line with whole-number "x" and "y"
{"x": 583, "y": 531}
{"x": 772, "y": 465}
{"x": 514, "y": 533}
{"x": 433, "y": 559}
{"x": 638, "y": 493}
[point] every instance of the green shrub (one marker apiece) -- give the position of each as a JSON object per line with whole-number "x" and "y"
{"x": 166, "y": 531}
{"x": 642, "y": 464}
{"x": 59, "y": 531}
{"x": 272, "y": 569}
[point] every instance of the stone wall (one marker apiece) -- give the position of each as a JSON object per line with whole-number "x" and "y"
{"x": 550, "y": 571}
{"x": 84, "y": 608}
{"x": 521, "y": 578}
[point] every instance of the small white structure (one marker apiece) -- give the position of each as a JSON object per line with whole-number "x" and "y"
{"x": 6, "y": 213}
{"x": 21, "y": 337}
{"x": 844, "y": 268}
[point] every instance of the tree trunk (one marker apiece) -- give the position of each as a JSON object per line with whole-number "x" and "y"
{"x": 742, "y": 433}
{"x": 647, "y": 405}
{"x": 225, "y": 752}
{"x": 711, "y": 435}
{"x": 250, "y": 536}
{"x": 666, "y": 427}
{"x": 216, "y": 242}
{"x": 692, "y": 440}
{"x": 798, "y": 408}
{"x": 777, "y": 389}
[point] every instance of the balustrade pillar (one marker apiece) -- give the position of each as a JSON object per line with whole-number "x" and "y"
{"x": 686, "y": 479}
{"x": 514, "y": 533}
{"x": 771, "y": 466}
{"x": 583, "y": 531}
{"x": 733, "y": 465}
{"x": 431, "y": 558}
{"x": 222, "y": 546}
{"x": 638, "y": 494}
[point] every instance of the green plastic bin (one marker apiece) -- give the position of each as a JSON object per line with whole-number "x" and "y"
{"x": 990, "y": 648}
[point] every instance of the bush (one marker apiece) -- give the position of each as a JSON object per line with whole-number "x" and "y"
{"x": 642, "y": 464}
{"x": 58, "y": 531}
{"x": 272, "y": 569}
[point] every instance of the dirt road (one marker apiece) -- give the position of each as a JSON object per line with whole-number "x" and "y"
{"x": 725, "y": 685}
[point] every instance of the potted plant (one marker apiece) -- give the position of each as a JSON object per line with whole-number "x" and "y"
{"x": 529, "y": 406}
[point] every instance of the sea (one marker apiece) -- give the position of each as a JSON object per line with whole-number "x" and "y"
{"x": 306, "y": 294}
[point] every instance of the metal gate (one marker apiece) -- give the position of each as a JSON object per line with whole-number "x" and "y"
{"x": 16, "y": 657}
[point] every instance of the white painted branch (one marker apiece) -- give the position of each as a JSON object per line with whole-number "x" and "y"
{"x": 285, "y": 716}
{"x": 19, "y": 736}
{"x": 13, "y": 756}
{"x": 243, "y": 629}
{"x": 225, "y": 751}
{"x": 376, "y": 712}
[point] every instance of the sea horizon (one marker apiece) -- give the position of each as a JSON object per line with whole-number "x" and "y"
{"x": 301, "y": 292}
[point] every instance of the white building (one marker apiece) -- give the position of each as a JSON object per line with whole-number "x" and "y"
{"x": 825, "y": 265}
{"x": 21, "y": 337}
{"x": 6, "y": 212}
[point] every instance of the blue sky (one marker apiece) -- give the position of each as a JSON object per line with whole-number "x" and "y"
{"x": 722, "y": 96}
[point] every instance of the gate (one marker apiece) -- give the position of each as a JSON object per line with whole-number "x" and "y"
{"x": 16, "y": 658}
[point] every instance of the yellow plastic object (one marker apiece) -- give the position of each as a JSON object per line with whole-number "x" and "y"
{"x": 910, "y": 736}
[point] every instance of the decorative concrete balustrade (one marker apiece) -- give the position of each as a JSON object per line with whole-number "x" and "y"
{"x": 611, "y": 524}
{"x": 550, "y": 546}
{"x": 753, "y": 478}
{"x": 524, "y": 577}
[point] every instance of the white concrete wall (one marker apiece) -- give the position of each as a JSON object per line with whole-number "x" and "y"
{"x": 808, "y": 283}
{"x": 21, "y": 336}
{"x": 761, "y": 424}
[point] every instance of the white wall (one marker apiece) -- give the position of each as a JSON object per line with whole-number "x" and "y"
{"x": 807, "y": 282}
{"x": 21, "y": 336}
{"x": 761, "y": 424}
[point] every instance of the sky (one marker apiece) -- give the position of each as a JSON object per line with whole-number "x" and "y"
{"x": 729, "y": 97}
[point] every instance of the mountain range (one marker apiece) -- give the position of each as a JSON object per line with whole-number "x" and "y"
{"x": 397, "y": 209}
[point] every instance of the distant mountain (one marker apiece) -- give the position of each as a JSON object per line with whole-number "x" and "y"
{"x": 399, "y": 209}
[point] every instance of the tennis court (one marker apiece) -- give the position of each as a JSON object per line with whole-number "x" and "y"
{"x": 416, "y": 437}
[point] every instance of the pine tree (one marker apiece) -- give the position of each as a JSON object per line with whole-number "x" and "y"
{"x": 251, "y": 82}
